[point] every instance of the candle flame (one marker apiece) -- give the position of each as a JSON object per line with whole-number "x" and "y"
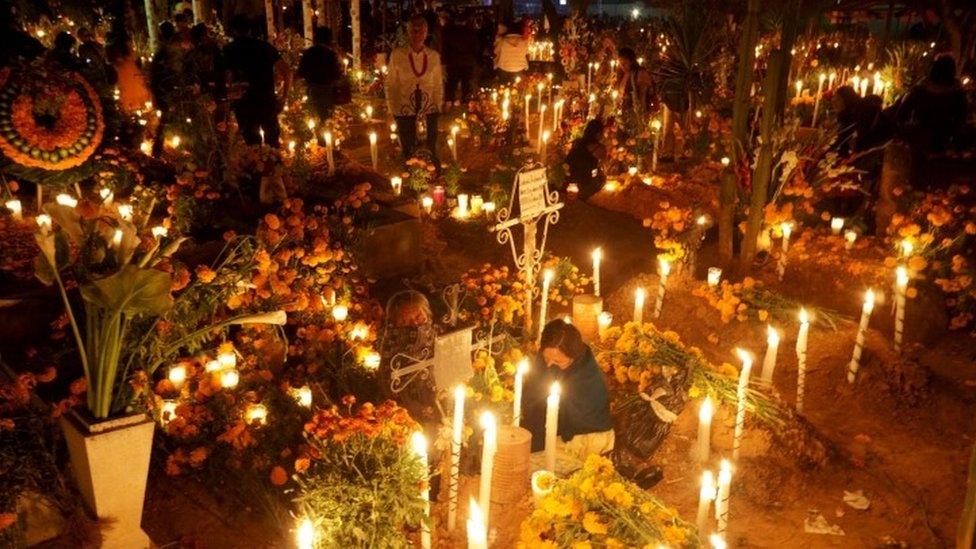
{"x": 706, "y": 410}
{"x": 597, "y": 254}
{"x": 708, "y": 485}
{"x": 744, "y": 356}
{"x": 555, "y": 389}
{"x": 665, "y": 267}
{"x": 869, "y": 299}
{"x": 901, "y": 276}
{"x": 418, "y": 442}
{"x": 772, "y": 336}
{"x": 547, "y": 276}
{"x": 459, "y": 392}
{"x": 804, "y": 317}
{"x": 305, "y": 534}
{"x": 639, "y": 294}
{"x": 523, "y": 367}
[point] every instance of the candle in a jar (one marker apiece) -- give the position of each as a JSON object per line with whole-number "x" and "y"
{"x": 714, "y": 276}
{"x": 705, "y": 498}
{"x": 477, "y": 204}
{"x": 862, "y": 328}
{"x": 440, "y": 195}
{"x": 457, "y": 431}
{"x": 901, "y": 288}
{"x": 488, "y": 448}
{"x": 547, "y": 276}
{"x": 769, "y": 359}
{"x": 705, "y": 413}
{"x": 397, "y": 183}
{"x": 604, "y": 320}
{"x": 850, "y": 237}
{"x": 419, "y": 443}
{"x": 520, "y": 370}
{"x": 801, "y": 358}
{"x": 16, "y": 209}
{"x": 597, "y": 256}
{"x": 427, "y": 203}
{"x": 552, "y": 425}
{"x": 740, "y": 411}
{"x": 477, "y": 529}
{"x": 836, "y": 224}
{"x": 664, "y": 268}
{"x": 799, "y": 88}
{"x": 722, "y": 496}
{"x": 639, "y": 295}
{"x": 373, "y": 150}
{"x": 463, "y": 200}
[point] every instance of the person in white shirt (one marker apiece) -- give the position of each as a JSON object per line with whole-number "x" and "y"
{"x": 415, "y": 87}
{"x": 511, "y": 53}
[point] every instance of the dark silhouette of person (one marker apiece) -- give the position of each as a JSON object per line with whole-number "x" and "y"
{"x": 934, "y": 112}
{"x": 460, "y": 57}
{"x": 584, "y": 160}
{"x": 253, "y": 65}
{"x": 165, "y": 81}
{"x": 845, "y": 101}
{"x": 319, "y": 68}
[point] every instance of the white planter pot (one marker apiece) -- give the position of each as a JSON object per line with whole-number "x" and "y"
{"x": 110, "y": 461}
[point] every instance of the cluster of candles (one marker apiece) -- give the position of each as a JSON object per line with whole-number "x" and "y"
{"x": 541, "y": 51}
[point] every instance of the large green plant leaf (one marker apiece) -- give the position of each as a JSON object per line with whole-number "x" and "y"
{"x": 132, "y": 290}
{"x": 68, "y": 220}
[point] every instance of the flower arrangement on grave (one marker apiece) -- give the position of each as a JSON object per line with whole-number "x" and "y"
{"x": 941, "y": 230}
{"x": 597, "y": 507}
{"x": 51, "y": 121}
{"x": 359, "y": 479}
{"x": 748, "y": 300}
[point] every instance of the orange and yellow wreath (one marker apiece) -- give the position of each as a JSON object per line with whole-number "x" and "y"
{"x": 48, "y": 121}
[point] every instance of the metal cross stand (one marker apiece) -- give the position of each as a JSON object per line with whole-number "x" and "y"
{"x": 450, "y": 359}
{"x": 535, "y": 203}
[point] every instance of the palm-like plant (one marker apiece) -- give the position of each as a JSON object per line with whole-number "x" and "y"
{"x": 683, "y": 77}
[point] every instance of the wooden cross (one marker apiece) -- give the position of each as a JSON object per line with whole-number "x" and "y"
{"x": 535, "y": 203}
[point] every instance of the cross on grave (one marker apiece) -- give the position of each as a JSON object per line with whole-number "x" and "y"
{"x": 535, "y": 203}
{"x": 449, "y": 360}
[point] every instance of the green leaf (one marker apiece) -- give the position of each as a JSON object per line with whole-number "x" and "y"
{"x": 132, "y": 291}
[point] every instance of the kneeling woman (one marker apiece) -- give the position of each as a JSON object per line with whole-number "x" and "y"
{"x": 585, "y": 425}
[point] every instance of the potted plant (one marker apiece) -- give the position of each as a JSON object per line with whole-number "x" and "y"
{"x": 115, "y": 263}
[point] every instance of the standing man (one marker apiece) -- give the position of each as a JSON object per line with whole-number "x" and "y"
{"x": 254, "y": 65}
{"x": 461, "y": 49}
{"x": 319, "y": 67}
{"x": 415, "y": 87}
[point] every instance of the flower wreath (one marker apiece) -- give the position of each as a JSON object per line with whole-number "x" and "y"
{"x": 49, "y": 121}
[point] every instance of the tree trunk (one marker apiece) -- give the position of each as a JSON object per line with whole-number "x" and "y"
{"x": 791, "y": 26}
{"x": 764, "y": 164}
{"x": 726, "y": 215}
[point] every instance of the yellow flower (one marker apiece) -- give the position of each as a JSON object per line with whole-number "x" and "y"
{"x": 592, "y": 524}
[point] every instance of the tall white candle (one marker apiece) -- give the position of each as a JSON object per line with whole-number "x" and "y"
{"x": 740, "y": 412}
{"x": 705, "y": 413}
{"x": 373, "y": 151}
{"x": 597, "y": 256}
{"x": 327, "y": 136}
{"x": 419, "y": 443}
{"x": 589, "y": 76}
{"x": 816, "y": 101}
{"x": 664, "y": 268}
{"x": 488, "y": 448}
{"x": 528, "y": 126}
{"x": 862, "y": 328}
{"x": 769, "y": 360}
{"x": 456, "y": 434}
{"x": 656, "y": 126}
{"x": 705, "y": 498}
{"x": 781, "y": 263}
{"x": 639, "y": 295}
{"x": 722, "y": 496}
{"x": 477, "y": 528}
{"x": 801, "y": 358}
{"x": 520, "y": 370}
{"x": 901, "y": 287}
{"x": 542, "y": 122}
{"x": 547, "y": 276}
{"x": 552, "y": 425}
{"x": 538, "y": 90}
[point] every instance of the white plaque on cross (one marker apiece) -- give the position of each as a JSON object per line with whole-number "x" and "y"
{"x": 535, "y": 203}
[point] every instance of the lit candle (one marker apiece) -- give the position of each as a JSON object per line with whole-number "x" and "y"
{"x": 830, "y": 80}
{"x": 167, "y": 412}
{"x": 769, "y": 360}
{"x": 714, "y": 276}
{"x": 477, "y": 532}
{"x": 855, "y": 363}
{"x": 604, "y": 320}
{"x": 44, "y": 223}
{"x": 547, "y": 276}
{"x": 740, "y": 411}
{"x": 372, "y": 360}
{"x": 816, "y": 101}
{"x": 716, "y": 541}
{"x": 303, "y": 396}
{"x": 664, "y": 268}
{"x": 260, "y": 132}
{"x": 125, "y": 211}
{"x": 545, "y": 144}
{"x": 836, "y": 224}
{"x": 16, "y": 209}
{"x": 907, "y": 248}
{"x": 488, "y": 448}
{"x": 656, "y": 126}
{"x": 229, "y": 378}
{"x": 639, "y": 305}
{"x": 901, "y": 287}
{"x": 542, "y": 121}
{"x": 801, "y": 358}
{"x": 528, "y": 127}
{"x": 117, "y": 238}
{"x": 589, "y": 76}
{"x": 597, "y": 256}
{"x": 864, "y": 87}
{"x": 373, "y": 152}
{"x": 428, "y": 203}
{"x": 256, "y": 413}
{"x": 781, "y": 263}
{"x": 552, "y": 425}
{"x": 306, "y": 535}
{"x": 538, "y": 89}
{"x": 722, "y": 496}
{"x": 327, "y": 136}
{"x": 489, "y": 207}
{"x": 705, "y": 498}
{"x": 397, "y": 183}
{"x": 177, "y": 376}
{"x": 850, "y": 236}
{"x": 477, "y": 204}
{"x": 419, "y": 443}
{"x": 705, "y": 413}
{"x": 463, "y": 201}
{"x": 457, "y": 431}
{"x": 66, "y": 200}
{"x": 799, "y": 88}
{"x": 159, "y": 231}
{"x": 520, "y": 370}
